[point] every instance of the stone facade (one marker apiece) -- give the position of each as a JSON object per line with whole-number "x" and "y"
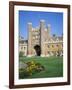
{"x": 40, "y": 42}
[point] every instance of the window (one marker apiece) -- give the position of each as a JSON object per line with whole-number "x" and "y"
{"x": 48, "y": 52}
{"x": 52, "y": 45}
{"x": 24, "y": 48}
{"x": 57, "y": 45}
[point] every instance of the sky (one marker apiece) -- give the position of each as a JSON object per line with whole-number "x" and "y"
{"x": 55, "y": 19}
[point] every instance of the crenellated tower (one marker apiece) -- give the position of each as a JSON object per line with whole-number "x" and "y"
{"x": 29, "y": 39}
{"x": 42, "y": 28}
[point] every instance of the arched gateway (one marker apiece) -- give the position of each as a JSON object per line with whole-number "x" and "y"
{"x": 37, "y": 50}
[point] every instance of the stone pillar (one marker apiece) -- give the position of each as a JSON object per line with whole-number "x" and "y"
{"x": 29, "y": 39}
{"x": 42, "y": 27}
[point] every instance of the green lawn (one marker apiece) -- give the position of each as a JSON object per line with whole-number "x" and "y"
{"x": 53, "y": 66}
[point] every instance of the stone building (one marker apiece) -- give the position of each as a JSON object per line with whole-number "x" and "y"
{"x": 40, "y": 42}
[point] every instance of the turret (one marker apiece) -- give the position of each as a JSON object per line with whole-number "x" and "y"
{"x": 48, "y": 29}
{"x": 29, "y": 38}
{"x": 42, "y": 28}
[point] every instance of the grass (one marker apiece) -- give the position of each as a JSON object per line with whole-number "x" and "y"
{"x": 53, "y": 66}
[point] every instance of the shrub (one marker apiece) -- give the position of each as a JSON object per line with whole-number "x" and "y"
{"x": 32, "y": 67}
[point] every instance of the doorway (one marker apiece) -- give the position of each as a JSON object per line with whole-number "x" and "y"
{"x": 38, "y": 50}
